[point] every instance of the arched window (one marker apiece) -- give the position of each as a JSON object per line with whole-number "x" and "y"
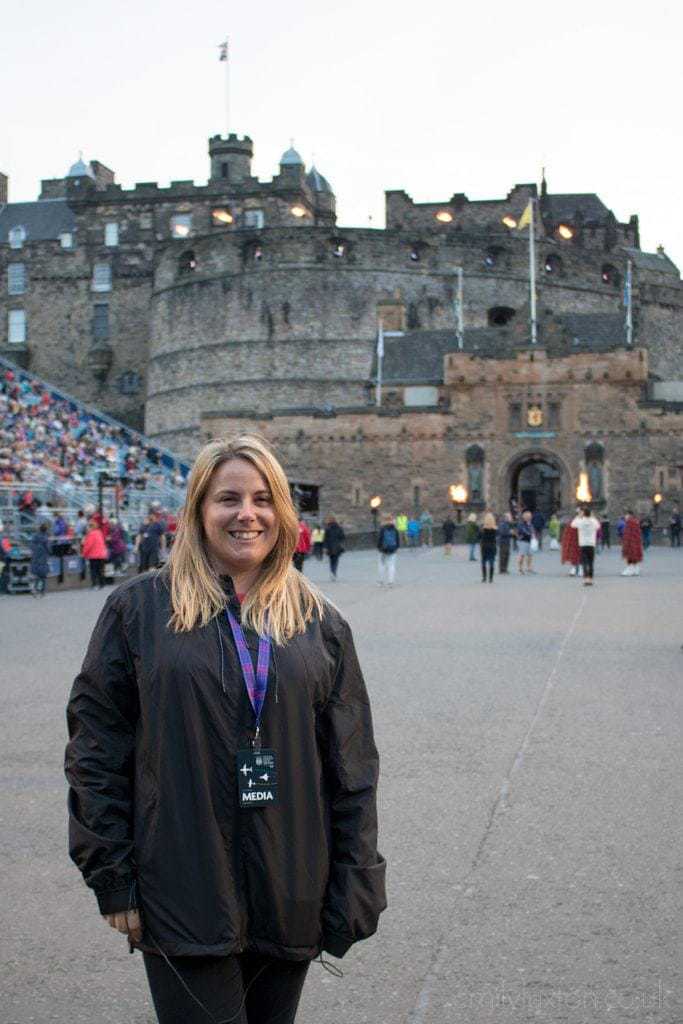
{"x": 553, "y": 264}
{"x": 16, "y": 237}
{"x": 610, "y": 275}
{"x": 499, "y": 316}
{"x": 187, "y": 262}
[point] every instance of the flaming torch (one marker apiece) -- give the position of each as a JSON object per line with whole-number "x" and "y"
{"x": 583, "y": 491}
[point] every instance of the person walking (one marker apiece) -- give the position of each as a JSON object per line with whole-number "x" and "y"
{"x": 538, "y": 523}
{"x": 414, "y": 529}
{"x": 646, "y": 531}
{"x": 303, "y": 546}
{"x": 587, "y": 529}
{"x": 335, "y": 539}
{"x": 118, "y": 545}
{"x": 40, "y": 552}
{"x": 525, "y": 533}
{"x": 402, "y": 527}
{"x": 387, "y": 546}
{"x": 631, "y": 545}
{"x": 504, "y": 541}
{"x": 554, "y": 532}
{"x": 605, "y": 541}
{"x": 427, "y": 525}
{"x": 448, "y": 530}
{"x": 675, "y": 527}
{"x": 472, "y": 536}
{"x": 94, "y": 550}
{"x": 570, "y": 546}
{"x": 221, "y": 760}
{"x": 149, "y": 543}
{"x": 318, "y": 539}
{"x": 487, "y": 542}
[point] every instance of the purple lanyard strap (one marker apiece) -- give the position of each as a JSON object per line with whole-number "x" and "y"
{"x": 257, "y": 685}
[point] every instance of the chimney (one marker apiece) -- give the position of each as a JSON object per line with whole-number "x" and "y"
{"x": 4, "y": 188}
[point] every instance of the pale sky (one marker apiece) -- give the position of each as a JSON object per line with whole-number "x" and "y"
{"x": 434, "y": 98}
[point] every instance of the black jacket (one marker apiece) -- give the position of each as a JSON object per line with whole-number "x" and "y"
{"x": 334, "y": 539}
{"x": 151, "y": 762}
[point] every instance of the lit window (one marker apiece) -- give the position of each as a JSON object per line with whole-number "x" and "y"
{"x": 181, "y": 225}
{"x": 257, "y": 253}
{"x": 610, "y": 275}
{"x": 339, "y": 247}
{"x": 16, "y": 279}
{"x": 187, "y": 262}
{"x": 66, "y": 240}
{"x": 17, "y": 237}
{"x": 254, "y": 219}
{"x": 221, "y": 217}
{"x": 492, "y": 256}
{"x": 298, "y": 211}
{"x": 565, "y": 232}
{"x": 100, "y": 321}
{"x": 509, "y": 221}
{"x": 415, "y": 252}
{"x": 16, "y": 334}
{"x": 101, "y": 277}
{"x": 444, "y": 216}
{"x": 111, "y": 233}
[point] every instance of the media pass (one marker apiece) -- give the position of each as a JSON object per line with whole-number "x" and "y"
{"x": 256, "y": 778}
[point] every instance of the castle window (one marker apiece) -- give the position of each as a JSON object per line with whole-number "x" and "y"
{"x": 129, "y": 384}
{"x": 493, "y": 256}
{"x": 254, "y": 219}
{"x": 221, "y": 217}
{"x": 553, "y": 264}
{"x": 339, "y": 247}
{"x": 610, "y": 275}
{"x": 16, "y": 279}
{"x": 187, "y": 262}
{"x": 16, "y": 237}
{"x": 16, "y": 327}
{"x": 253, "y": 252}
{"x": 66, "y": 240}
{"x": 225, "y": 170}
{"x": 111, "y": 233}
{"x": 181, "y": 225}
{"x": 499, "y": 316}
{"x": 100, "y": 321}
{"x": 515, "y": 415}
{"x": 416, "y": 250}
{"x": 101, "y": 277}
{"x": 553, "y": 415}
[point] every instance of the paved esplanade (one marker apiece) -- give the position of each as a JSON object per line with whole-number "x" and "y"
{"x": 531, "y": 736}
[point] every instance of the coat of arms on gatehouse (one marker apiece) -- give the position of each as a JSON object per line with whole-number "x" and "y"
{"x": 534, "y": 416}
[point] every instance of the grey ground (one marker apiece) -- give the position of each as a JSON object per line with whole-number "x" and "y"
{"x": 531, "y": 735}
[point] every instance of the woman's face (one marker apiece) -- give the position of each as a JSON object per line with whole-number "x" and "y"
{"x": 239, "y": 519}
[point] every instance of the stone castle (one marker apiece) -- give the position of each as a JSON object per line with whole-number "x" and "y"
{"x": 190, "y": 311}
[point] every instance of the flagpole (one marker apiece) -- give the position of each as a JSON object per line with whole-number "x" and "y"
{"x": 227, "y": 88}
{"x": 459, "y": 311}
{"x": 532, "y": 275}
{"x": 380, "y": 359}
{"x": 629, "y": 302}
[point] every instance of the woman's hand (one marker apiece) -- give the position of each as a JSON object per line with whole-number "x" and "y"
{"x": 127, "y": 922}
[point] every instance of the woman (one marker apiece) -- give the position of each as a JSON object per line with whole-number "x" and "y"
{"x": 387, "y": 546}
{"x": 505, "y": 528}
{"x": 118, "y": 545}
{"x": 303, "y": 546}
{"x": 472, "y": 535}
{"x": 334, "y": 545}
{"x": 226, "y": 819}
{"x": 318, "y": 539}
{"x": 40, "y": 551}
{"x": 487, "y": 541}
{"x": 631, "y": 545}
{"x": 570, "y": 546}
{"x": 525, "y": 534}
{"x": 587, "y": 529}
{"x": 94, "y": 549}
{"x": 448, "y": 535}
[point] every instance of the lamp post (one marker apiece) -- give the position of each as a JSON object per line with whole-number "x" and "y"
{"x": 656, "y": 502}
{"x": 458, "y": 494}
{"x": 374, "y": 511}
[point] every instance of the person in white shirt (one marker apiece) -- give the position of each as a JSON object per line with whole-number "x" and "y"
{"x": 588, "y": 528}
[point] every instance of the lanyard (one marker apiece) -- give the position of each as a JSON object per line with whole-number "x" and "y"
{"x": 256, "y": 684}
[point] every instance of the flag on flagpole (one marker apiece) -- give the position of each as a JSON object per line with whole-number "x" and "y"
{"x": 525, "y": 218}
{"x": 223, "y": 51}
{"x": 380, "y": 342}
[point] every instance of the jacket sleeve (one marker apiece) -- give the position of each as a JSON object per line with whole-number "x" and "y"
{"x": 99, "y": 764}
{"x": 355, "y": 894}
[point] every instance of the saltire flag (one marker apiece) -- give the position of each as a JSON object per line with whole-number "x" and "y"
{"x": 525, "y": 218}
{"x": 223, "y": 51}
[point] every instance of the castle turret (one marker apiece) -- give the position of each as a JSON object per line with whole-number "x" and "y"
{"x": 230, "y": 158}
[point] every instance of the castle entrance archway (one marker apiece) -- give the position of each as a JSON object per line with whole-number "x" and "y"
{"x": 536, "y": 482}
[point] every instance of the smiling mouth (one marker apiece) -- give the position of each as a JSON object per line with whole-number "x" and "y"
{"x": 244, "y": 534}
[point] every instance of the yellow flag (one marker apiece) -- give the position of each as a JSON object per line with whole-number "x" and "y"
{"x": 525, "y": 218}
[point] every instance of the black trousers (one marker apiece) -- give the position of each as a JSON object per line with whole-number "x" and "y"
{"x": 244, "y": 989}
{"x": 587, "y": 560}
{"x": 334, "y": 563}
{"x": 503, "y": 555}
{"x": 96, "y": 572}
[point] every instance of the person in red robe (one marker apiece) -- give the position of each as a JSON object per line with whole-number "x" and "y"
{"x": 632, "y": 545}
{"x": 570, "y": 552}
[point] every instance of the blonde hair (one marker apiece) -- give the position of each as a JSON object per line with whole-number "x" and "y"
{"x": 282, "y": 600}
{"x": 489, "y": 521}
